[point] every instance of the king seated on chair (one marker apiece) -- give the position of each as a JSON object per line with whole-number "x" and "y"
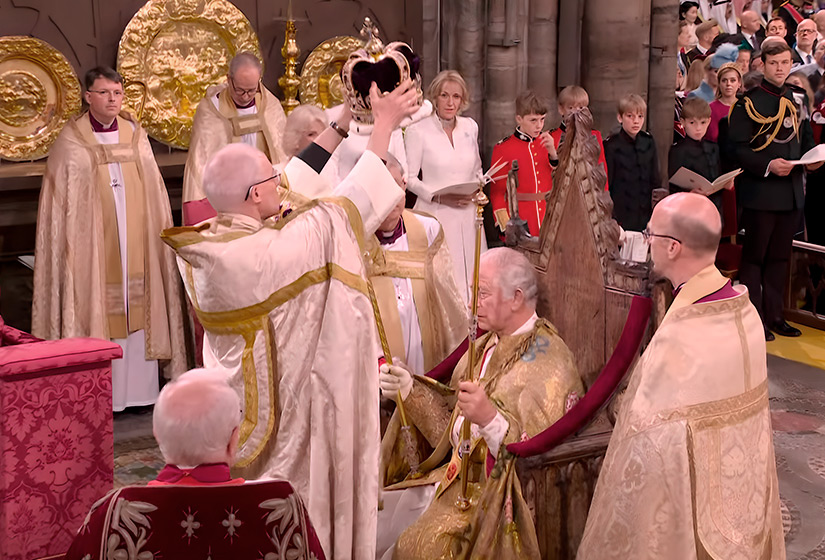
{"x": 526, "y": 380}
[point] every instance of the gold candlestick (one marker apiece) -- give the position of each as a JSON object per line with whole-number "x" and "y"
{"x": 290, "y": 81}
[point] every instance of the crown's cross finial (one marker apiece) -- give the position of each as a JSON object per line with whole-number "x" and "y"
{"x": 369, "y": 32}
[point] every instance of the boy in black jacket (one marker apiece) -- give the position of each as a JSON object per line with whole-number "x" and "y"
{"x": 693, "y": 153}
{"x": 632, "y": 166}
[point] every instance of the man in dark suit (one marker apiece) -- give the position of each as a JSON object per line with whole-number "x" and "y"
{"x": 750, "y": 26}
{"x": 803, "y": 52}
{"x": 767, "y": 134}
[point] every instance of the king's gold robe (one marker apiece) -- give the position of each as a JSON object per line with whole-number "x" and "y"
{"x": 532, "y": 381}
{"x": 78, "y": 280}
{"x": 425, "y": 266}
{"x": 690, "y": 471}
{"x": 286, "y": 313}
{"x": 216, "y": 126}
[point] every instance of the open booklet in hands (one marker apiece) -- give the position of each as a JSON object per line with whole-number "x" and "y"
{"x": 690, "y": 180}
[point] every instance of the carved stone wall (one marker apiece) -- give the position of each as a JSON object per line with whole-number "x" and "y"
{"x": 87, "y": 31}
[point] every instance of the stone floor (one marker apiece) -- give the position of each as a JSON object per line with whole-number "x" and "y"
{"x": 798, "y": 409}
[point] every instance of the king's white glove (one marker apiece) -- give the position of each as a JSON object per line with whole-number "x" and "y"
{"x": 393, "y": 379}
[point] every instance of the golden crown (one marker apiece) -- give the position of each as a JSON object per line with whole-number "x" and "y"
{"x": 387, "y": 66}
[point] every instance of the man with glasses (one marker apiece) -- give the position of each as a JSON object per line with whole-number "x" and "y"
{"x": 101, "y": 269}
{"x": 690, "y": 469}
{"x": 285, "y": 305}
{"x": 803, "y": 52}
{"x": 241, "y": 110}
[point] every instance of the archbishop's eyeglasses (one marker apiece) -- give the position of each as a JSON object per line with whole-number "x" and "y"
{"x": 253, "y": 185}
{"x": 648, "y": 236}
{"x": 241, "y": 91}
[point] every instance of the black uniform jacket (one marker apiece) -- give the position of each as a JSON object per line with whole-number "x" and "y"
{"x": 633, "y": 173}
{"x": 754, "y": 190}
{"x": 699, "y": 157}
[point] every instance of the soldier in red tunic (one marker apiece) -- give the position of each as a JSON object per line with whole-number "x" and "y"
{"x": 536, "y": 155}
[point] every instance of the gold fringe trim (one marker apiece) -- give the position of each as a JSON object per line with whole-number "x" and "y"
{"x": 785, "y": 105}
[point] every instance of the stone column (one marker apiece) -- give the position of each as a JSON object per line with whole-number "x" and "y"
{"x": 664, "y": 28}
{"x": 542, "y": 49}
{"x": 615, "y": 55}
{"x": 430, "y": 50}
{"x": 502, "y": 77}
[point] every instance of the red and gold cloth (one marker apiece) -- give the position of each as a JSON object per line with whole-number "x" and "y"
{"x": 265, "y": 519}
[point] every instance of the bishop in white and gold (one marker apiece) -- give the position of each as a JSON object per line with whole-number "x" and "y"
{"x": 690, "y": 469}
{"x": 287, "y": 314}
{"x": 241, "y": 110}
{"x": 101, "y": 270}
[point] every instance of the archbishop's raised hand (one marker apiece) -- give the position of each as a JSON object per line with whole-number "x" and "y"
{"x": 389, "y": 109}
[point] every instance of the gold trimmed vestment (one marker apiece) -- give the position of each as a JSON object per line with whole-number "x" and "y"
{"x": 532, "y": 380}
{"x": 440, "y": 311}
{"x": 690, "y": 470}
{"x": 215, "y": 127}
{"x": 286, "y": 312}
{"x": 78, "y": 280}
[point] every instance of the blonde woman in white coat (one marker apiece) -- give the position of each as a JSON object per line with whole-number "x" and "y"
{"x": 444, "y": 148}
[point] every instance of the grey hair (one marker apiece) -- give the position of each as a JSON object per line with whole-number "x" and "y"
{"x": 298, "y": 123}
{"x": 514, "y": 273}
{"x": 245, "y": 59}
{"x": 195, "y": 416}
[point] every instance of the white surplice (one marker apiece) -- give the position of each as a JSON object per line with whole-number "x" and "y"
{"x": 248, "y": 139}
{"x": 134, "y": 378}
{"x": 442, "y": 163}
{"x": 410, "y": 327}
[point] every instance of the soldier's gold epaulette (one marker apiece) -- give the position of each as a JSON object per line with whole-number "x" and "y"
{"x": 503, "y": 140}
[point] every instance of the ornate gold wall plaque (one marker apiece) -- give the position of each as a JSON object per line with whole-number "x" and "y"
{"x": 39, "y": 91}
{"x": 170, "y": 52}
{"x": 321, "y": 72}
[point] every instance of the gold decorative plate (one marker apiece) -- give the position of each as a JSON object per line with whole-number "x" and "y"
{"x": 39, "y": 91}
{"x": 170, "y": 52}
{"x": 321, "y": 72}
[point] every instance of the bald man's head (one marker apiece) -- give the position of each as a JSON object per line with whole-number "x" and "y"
{"x": 750, "y": 21}
{"x": 694, "y": 220}
{"x": 229, "y": 174}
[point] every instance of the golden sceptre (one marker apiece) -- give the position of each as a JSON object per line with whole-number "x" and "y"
{"x": 464, "y": 450}
{"x": 410, "y": 448}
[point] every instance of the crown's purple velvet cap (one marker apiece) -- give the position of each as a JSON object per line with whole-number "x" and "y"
{"x": 385, "y": 73}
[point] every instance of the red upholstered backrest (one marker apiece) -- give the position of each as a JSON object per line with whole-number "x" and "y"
{"x": 599, "y": 394}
